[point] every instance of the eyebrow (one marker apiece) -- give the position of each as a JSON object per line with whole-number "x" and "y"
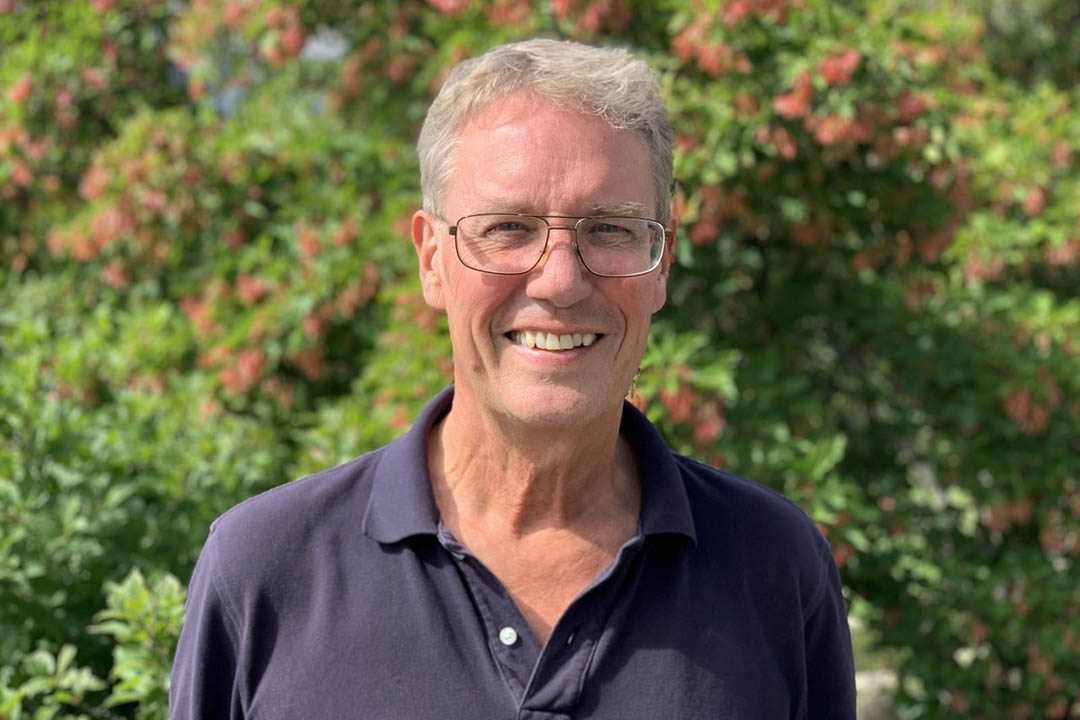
{"x": 622, "y": 208}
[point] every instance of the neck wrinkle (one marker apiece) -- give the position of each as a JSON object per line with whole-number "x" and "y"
{"x": 511, "y": 483}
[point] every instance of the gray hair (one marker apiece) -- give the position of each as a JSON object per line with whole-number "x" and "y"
{"x": 607, "y": 82}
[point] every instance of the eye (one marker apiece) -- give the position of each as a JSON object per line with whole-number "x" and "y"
{"x": 612, "y": 232}
{"x": 609, "y": 228}
{"x": 507, "y": 226}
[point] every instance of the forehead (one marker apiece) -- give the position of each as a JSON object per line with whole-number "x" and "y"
{"x": 524, "y": 154}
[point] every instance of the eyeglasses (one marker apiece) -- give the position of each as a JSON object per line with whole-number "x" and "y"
{"x": 513, "y": 244}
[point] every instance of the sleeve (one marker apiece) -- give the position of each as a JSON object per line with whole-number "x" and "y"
{"x": 830, "y": 667}
{"x": 203, "y": 683}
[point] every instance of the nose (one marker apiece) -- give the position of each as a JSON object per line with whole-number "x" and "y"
{"x": 559, "y": 277}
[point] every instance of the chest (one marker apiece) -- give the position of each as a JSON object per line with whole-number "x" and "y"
{"x": 646, "y": 639}
{"x": 543, "y": 583}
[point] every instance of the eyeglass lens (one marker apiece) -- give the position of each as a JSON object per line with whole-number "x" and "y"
{"x": 615, "y": 246}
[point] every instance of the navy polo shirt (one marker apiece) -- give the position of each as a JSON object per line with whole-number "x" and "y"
{"x": 341, "y": 595}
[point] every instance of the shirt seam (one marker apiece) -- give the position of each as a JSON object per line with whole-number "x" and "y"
{"x": 219, "y": 587}
{"x": 818, "y": 596}
{"x": 219, "y": 581}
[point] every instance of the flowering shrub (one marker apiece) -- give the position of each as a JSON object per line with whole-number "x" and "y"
{"x": 207, "y": 289}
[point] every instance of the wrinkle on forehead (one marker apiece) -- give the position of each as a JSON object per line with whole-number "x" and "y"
{"x": 515, "y": 151}
{"x": 502, "y": 204}
{"x": 523, "y": 104}
{"x": 504, "y": 125}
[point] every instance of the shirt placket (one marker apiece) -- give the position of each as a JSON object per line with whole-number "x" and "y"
{"x": 545, "y": 682}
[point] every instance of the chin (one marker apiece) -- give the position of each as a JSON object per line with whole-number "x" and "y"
{"x": 551, "y": 405}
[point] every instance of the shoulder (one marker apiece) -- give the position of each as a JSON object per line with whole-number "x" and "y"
{"x": 280, "y": 523}
{"x": 724, "y": 508}
{"x": 743, "y": 501}
{"x": 767, "y": 535}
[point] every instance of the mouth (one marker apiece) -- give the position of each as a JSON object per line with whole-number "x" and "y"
{"x": 540, "y": 340}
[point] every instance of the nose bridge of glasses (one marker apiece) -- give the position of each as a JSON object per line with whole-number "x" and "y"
{"x": 571, "y": 228}
{"x": 549, "y": 245}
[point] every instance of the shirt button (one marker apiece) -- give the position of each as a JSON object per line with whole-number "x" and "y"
{"x": 508, "y": 636}
{"x": 457, "y": 555}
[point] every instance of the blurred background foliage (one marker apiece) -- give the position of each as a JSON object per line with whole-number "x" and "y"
{"x": 207, "y": 289}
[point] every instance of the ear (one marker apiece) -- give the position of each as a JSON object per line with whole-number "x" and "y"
{"x": 425, "y": 240}
{"x": 660, "y": 291}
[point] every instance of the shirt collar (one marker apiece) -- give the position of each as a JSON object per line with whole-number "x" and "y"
{"x": 401, "y": 503}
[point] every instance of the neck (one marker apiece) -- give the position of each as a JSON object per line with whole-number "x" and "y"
{"x": 493, "y": 478}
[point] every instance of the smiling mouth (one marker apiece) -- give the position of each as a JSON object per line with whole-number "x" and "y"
{"x": 550, "y": 341}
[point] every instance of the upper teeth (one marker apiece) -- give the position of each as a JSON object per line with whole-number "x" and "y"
{"x": 551, "y": 341}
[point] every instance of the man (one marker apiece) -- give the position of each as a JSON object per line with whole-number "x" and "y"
{"x": 530, "y": 548}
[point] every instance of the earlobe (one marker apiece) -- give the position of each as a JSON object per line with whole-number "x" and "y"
{"x": 425, "y": 241}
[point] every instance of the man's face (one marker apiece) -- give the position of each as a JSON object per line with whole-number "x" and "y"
{"x": 524, "y": 155}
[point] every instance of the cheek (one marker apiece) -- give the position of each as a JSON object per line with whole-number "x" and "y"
{"x": 476, "y": 300}
{"x": 639, "y": 298}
